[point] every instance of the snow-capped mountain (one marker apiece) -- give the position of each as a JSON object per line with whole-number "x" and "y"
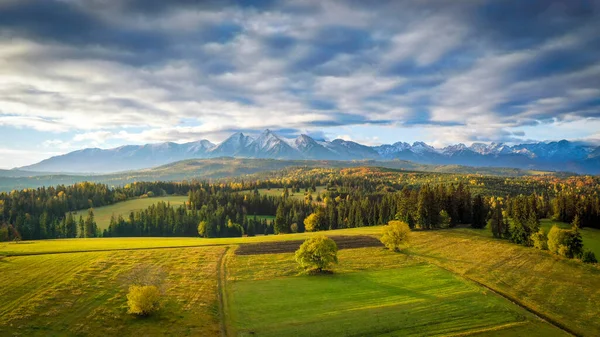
{"x": 201, "y": 146}
{"x": 234, "y": 145}
{"x": 311, "y": 149}
{"x": 128, "y": 157}
{"x": 560, "y": 156}
{"x": 269, "y": 145}
{"x": 348, "y": 150}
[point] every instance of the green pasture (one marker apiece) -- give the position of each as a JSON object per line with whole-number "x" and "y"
{"x": 391, "y": 294}
{"x": 103, "y": 214}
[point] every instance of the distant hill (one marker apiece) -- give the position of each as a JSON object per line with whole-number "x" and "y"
{"x": 553, "y": 156}
{"x": 214, "y": 168}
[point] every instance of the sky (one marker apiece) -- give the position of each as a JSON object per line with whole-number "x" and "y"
{"x": 104, "y": 73}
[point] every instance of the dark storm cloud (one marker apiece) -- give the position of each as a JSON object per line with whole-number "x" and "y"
{"x": 67, "y": 23}
{"x": 524, "y": 24}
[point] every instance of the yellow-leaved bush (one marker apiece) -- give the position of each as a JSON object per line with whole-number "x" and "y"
{"x": 143, "y": 300}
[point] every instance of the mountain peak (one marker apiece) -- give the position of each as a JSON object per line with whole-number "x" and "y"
{"x": 555, "y": 155}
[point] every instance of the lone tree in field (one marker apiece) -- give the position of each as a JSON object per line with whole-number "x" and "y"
{"x": 317, "y": 253}
{"x": 144, "y": 282}
{"x": 143, "y": 300}
{"x": 395, "y": 235}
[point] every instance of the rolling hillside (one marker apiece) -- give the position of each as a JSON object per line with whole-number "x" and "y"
{"x": 215, "y": 168}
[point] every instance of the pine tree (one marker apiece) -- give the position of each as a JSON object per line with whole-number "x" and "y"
{"x": 281, "y": 225}
{"x": 81, "y": 227}
{"x": 479, "y": 212}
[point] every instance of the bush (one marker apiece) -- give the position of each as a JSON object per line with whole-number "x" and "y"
{"x": 202, "y": 229}
{"x": 539, "y": 240}
{"x": 317, "y": 253}
{"x": 565, "y": 242}
{"x": 395, "y": 234}
{"x": 234, "y": 230}
{"x": 312, "y": 223}
{"x": 556, "y": 237}
{"x": 444, "y": 219}
{"x": 588, "y": 257}
{"x": 143, "y": 300}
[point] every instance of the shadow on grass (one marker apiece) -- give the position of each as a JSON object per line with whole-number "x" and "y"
{"x": 389, "y": 289}
{"x": 315, "y": 272}
{"x": 21, "y": 242}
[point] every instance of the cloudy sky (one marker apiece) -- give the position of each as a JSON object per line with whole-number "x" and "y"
{"x": 103, "y": 73}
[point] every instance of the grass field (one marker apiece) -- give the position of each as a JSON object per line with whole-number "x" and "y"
{"x": 429, "y": 290}
{"x": 261, "y": 217}
{"x": 567, "y": 291}
{"x": 99, "y": 244}
{"x": 387, "y": 294}
{"x": 84, "y": 294}
{"x": 300, "y": 195}
{"x": 103, "y": 214}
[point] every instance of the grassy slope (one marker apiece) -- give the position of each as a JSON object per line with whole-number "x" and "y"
{"x": 104, "y": 213}
{"x": 386, "y": 294}
{"x": 215, "y": 168}
{"x": 565, "y": 290}
{"x": 84, "y": 294}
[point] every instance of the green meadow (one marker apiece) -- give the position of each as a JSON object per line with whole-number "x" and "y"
{"x": 277, "y": 192}
{"x": 432, "y": 288}
{"x": 390, "y": 295}
{"x": 103, "y": 214}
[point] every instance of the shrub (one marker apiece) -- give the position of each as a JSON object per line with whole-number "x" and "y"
{"x": 143, "y": 300}
{"x": 444, "y": 219}
{"x": 294, "y": 228}
{"x": 202, "y": 229}
{"x": 539, "y": 240}
{"x": 311, "y": 223}
{"x": 234, "y": 230}
{"x": 567, "y": 243}
{"x": 588, "y": 257}
{"x": 395, "y": 234}
{"x": 555, "y": 239}
{"x": 317, "y": 253}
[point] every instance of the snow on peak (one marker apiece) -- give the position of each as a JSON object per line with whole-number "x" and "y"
{"x": 420, "y": 147}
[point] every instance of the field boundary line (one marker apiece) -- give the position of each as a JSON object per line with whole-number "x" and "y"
{"x": 493, "y": 328}
{"x": 512, "y": 299}
{"x": 113, "y": 250}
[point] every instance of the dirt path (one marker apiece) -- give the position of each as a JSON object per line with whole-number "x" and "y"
{"x": 221, "y": 279}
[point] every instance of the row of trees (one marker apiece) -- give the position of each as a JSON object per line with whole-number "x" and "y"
{"x": 350, "y": 200}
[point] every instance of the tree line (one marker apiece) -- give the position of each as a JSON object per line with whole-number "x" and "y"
{"x": 351, "y": 199}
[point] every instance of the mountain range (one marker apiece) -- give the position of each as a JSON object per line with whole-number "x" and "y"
{"x": 555, "y": 156}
